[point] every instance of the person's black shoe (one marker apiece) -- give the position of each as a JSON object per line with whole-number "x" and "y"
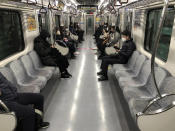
{"x": 68, "y": 74}
{"x": 65, "y": 75}
{"x": 100, "y": 73}
{"x": 103, "y": 78}
{"x": 44, "y": 125}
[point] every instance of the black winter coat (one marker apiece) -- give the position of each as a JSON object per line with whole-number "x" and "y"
{"x": 44, "y": 51}
{"x": 49, "y": 56}
{"x": 126, "y": 51}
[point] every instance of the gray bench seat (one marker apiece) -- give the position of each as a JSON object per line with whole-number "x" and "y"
{"x": 133, "y": 72}
{"x": 138, "y": 105}
{"x": 129, "y": 65}
{"x": 147, "y": 91}
{"x": 22, "y": 78}
{"x": 138, "y": 81}
{"x": 31, "y": 71}
{"x": 38, "y": 65}
{"x": 22, "y": 88}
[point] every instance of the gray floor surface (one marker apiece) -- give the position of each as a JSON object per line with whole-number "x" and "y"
{"x": 82, "y": 103}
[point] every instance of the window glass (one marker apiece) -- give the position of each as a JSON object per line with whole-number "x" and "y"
{"x": 43, "y": 22}
{"x": 118, "y": 21}
{"x": 11, "y": 35}
{"x": 153, "y": 18}
{"x": 128, "y": 21}
{"x": 57, "y": 20}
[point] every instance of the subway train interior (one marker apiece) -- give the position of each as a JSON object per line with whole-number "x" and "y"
{"x": 87, "y": 65}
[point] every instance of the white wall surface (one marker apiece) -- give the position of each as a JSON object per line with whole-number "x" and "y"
{"x": 28, "y": 35}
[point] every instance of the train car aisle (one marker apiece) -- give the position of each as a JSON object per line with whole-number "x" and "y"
{"x": 82, "y": 103}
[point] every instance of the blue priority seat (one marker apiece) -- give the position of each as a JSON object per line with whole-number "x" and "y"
{"x": 22, "y": 78}
{"x": 138, "y": 105}
{"x": 138, "y": 81}
{"x": 38, "y": 65}
{"x": 8, "y": 74}
{"x": 31, "y": 71}
{"x": 148, "y": 91}
{"x": 133, "y": 72}
{"x": 129, "y": 65}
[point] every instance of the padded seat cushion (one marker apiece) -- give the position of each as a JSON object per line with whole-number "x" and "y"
{"x": 31, "y": 71}
{"x": 135, "y": 71}
{"x": 129, "y": 65}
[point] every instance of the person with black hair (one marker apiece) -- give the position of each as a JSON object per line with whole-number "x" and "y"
{"x": 49, "y": 55}
{"x": 121, "y": 58}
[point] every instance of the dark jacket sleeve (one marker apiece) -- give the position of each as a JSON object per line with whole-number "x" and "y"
{"x": 127, "y": 49}
{"x": 42, "y": 50}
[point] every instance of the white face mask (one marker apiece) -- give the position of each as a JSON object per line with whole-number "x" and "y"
{"x": 123, "y": 39}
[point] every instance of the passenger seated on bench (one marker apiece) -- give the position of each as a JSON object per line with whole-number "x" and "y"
{"x": 121, "y": 58}
{"x": 64, "y": 39}
{"x": 19, "y": 103}
{"x": 49, "y": 55}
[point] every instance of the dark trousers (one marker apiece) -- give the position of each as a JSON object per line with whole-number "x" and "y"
{"x": 59, "y": 60}
{"x": 107, "y": 60}
{"x": 24, "y": 112}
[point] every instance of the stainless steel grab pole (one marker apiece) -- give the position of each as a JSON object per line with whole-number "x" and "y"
{"x": 156, "y": 43}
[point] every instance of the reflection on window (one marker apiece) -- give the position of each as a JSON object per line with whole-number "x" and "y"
{"x": 57, "y": 20}
{"x": 153, "y": 18}
{"x": 118, "y": 20}
{"x": 11, "y": 35}
{"x": 43, "y": 22}
{"x": 128, "y": 21}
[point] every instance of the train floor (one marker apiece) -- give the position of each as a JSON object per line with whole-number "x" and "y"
{"x": 82, "y": 103}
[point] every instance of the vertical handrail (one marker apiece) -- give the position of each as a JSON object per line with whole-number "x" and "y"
{"x": 156, "y": 43}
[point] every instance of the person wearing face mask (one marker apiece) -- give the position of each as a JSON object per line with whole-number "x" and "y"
{"x": 49, "y": 55}
{"x": 122, "y": 56}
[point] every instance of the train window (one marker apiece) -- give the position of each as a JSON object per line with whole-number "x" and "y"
{"x": 128, "y": 21}
{"x": 57, "y": 20}
{"x": 11, "y": 35}
{"x": 43, "y": 22}
{"x": 153, "y": 18}
{"x": 118, "y": 21}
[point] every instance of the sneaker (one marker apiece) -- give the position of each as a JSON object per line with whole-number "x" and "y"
{"x": 44, "y": 125}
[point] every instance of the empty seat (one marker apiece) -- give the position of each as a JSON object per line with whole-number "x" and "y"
{"x": 10, "y": 77}
{"x": 138, "y": 105}
{"x": 148, "y": 91}
{"x": 135, "y": 71}
{"x": 31, "y": 71}
{"x": 22, "y": 78}
{"x": 37, "y": 63}
{"x": 8, "y": 74}
{"x": 168, "y": 87}
{"x": 129, "y": 65}
{"x": 138, "y": 81}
